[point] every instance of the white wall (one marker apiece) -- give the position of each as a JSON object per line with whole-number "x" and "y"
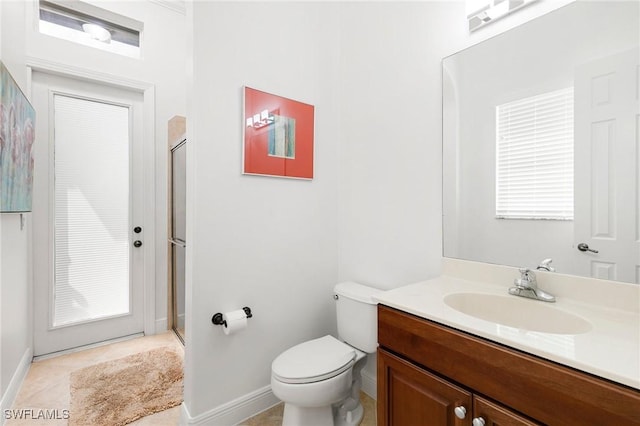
{"x": 163, "y": 65}
{"x": 15, "y": 311}
{"x": 267, "y": 243}
{"x": 15, "y": 285}
{"x": 391, "y": 160}
{"x": 390, "y": 163}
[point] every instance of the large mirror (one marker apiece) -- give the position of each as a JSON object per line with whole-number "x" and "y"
{"x": 541, "y": 135}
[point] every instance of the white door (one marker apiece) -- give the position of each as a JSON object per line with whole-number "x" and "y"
{"x": 607, "y": 126}
{"x": 88, "y": 264}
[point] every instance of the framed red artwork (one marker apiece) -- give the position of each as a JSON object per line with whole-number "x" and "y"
{"x": 278, "y": 136}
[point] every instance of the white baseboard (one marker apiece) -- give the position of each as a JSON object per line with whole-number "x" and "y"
{"x": 369, "y": 384}
{"x": 16, "y": 382}
{"x": 233, "y": 412}
{"x": 161, "y": 326}
{"x": 251, "y": 404}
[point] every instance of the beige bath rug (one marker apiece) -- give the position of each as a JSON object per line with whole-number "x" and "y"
{"x": 121, "y": 391}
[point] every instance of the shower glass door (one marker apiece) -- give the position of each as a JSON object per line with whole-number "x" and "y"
{"x": 177, "y": 239}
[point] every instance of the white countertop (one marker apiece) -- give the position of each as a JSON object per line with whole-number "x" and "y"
{"x": 611, "y": 349}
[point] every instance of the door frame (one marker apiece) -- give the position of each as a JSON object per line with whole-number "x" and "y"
{"x": 149, "y": 159}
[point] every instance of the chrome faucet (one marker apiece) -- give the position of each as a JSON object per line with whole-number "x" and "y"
{"x": 545, "y": 265}
{"x": 527, "y": 286}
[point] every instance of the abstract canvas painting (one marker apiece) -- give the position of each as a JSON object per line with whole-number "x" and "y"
{"x": 278, "y": 136}
{"x": 17, "y": 135}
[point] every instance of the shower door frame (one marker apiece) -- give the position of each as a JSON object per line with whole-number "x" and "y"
{"x": 172, "y": 243}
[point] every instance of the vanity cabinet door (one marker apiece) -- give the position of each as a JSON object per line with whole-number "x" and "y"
{"x": 545, "y": 391}
{"x": 496, "y": 415}
{"x": 410, "y": 396}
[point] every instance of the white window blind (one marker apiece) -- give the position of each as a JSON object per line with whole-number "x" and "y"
{"x": 91, "y": 210}
{"x": 534, "y": 157}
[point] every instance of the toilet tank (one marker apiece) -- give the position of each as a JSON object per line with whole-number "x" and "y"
{"x": 357, "y": 315}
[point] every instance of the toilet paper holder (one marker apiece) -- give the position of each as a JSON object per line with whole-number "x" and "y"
{"x": 217, "y": 317}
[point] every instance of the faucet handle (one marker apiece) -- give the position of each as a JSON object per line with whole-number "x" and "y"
{"x": 545, "y": 265}
{"x": 527, "y": 279}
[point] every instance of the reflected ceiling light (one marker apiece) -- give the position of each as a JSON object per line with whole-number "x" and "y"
{"x": 97, "y": 32}
{"x": 500, "y": 9}
{"x": 260, "y": 120}
{"x": 484, "y": 16}
{"x": 481, "y": 12}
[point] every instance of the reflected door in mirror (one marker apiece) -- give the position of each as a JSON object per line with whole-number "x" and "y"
{"x": 606, "y": 185}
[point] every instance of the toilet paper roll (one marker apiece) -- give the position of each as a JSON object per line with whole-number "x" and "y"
{"x": 236, "y": 321}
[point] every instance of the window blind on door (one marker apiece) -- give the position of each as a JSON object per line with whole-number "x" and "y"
{"x": 534, "y": 157}
{"x": 91, "y": 210}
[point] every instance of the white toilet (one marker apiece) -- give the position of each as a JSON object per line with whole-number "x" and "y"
{"x": 319, "y": 380}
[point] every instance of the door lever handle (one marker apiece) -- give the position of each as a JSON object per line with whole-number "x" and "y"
{"x": 585, "y": 247}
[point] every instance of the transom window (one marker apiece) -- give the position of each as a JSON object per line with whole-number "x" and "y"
{"x": 91, "y": 26}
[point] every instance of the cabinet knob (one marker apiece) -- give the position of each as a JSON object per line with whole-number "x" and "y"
{"x": 460, "y": 412}
{"x": 478, "y": 421}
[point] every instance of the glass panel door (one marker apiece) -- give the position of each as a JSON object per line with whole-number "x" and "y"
{"x": 88, "y": 216}
{"x": 92, "y": 279}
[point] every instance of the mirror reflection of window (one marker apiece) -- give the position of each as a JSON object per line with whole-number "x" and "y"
{"x": 534, "y": 157}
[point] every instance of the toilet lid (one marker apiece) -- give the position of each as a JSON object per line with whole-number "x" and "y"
{"x": 313, "y": 360}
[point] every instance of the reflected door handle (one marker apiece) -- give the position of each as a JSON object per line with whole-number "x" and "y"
{"x": 585, "y": 247}
{"x": 137, "y": 243}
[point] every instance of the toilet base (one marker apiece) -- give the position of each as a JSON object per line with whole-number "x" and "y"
{"x": 321, "y": 416}
{"x": 350, "y": 418}
{"x": 307, "y": 416}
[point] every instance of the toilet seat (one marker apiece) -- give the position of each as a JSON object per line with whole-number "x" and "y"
{"x": 313, "y": 361}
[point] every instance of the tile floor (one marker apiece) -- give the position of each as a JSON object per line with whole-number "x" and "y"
{"x": 47, "y": 385}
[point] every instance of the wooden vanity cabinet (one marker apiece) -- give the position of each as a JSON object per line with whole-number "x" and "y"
{"x": 426, "y": 370}
{"x": 415, "y": 397}
{"x": 497, "y": 415}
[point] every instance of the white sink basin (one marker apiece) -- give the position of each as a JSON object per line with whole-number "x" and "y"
{"x": 518, "y": 312}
